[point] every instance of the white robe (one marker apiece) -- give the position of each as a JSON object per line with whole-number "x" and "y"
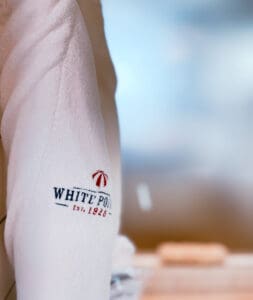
{"x": 58, "y": 128}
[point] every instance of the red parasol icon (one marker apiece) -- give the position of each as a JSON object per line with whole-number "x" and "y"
{"x": 101, "y": 178}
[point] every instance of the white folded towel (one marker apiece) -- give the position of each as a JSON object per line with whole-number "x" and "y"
{"x": 63, "y": 183}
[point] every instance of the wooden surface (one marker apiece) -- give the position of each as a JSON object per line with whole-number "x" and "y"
{"x": 231, "y": 281}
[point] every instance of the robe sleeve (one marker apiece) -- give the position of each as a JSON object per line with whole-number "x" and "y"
{"x": 61, "y": 213}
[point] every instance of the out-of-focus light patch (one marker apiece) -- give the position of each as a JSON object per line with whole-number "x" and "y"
{"x": 184, "y": 81}
{"x": 177, "y": 51}
{"x": 179, "y": 44}
{"x": 128, "y": 82}
{"x": 228, "y": 70}
{"x": 144, "y": 197}
{"x": 200, "y": 3}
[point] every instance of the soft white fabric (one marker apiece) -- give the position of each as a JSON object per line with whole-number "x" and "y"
{"x": 123, "y": 254}
{"x": 58, "y": 127}
{"x": 126, "y": 279}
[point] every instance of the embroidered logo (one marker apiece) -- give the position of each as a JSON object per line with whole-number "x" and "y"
{"x": 100, "y": 178}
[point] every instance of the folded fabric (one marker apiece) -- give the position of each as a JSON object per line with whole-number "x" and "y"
{"x": 63, "y": 194}
{"x": 126, "y": 282}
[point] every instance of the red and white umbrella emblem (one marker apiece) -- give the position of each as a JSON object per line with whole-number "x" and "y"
{"x": 100, "y": 178}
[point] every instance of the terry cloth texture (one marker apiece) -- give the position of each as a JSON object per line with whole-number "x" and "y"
{"x": 60, "y": 159}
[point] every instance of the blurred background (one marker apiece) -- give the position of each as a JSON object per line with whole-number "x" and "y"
{"x": 185, "y": 104}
